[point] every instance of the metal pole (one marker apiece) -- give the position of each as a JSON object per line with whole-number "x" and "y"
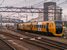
{"x": 26, "y": 17}
{"x": 1, "y": 21}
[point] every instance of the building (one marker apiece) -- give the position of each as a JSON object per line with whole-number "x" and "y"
{"x": 52, "y": 11}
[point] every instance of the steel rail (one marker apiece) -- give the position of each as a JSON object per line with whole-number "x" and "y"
{"x": 12, "y": 48}
{"x": 54, "y": 43}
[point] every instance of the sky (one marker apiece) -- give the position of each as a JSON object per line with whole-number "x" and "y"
{"x": 27, "y": 3}
{"x": 35, "y": 3}
{"x": 19, "y": 3}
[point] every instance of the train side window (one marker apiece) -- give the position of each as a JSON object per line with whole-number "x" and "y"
{"x": 34, "y": 26}
{"x": 38, "y": 26}
{"x": 44, "y": 26}
{"x": 41, "y": 26}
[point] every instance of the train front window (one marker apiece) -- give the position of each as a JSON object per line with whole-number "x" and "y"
{"x": 58, "y": 23}
{"x": 58, "y": 27}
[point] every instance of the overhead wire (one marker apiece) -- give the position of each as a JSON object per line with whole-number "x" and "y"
{"x": 2, "y": 2}
{"x": 64, "y": 2}
{"x": 41, "y": 3}
{"x": 38, "y": 4}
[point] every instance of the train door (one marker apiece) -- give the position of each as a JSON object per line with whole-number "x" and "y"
{"x": 39, "y": 26}
{"x": 34, "y": 26}
{"x": 51, "y": 27}
{"x": 47, "y": 27}
{"x": 44, "y": 27}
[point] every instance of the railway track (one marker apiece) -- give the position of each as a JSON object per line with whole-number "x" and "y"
{"x": 59, "y": 44}
{"x": 54, "y": 43}
{"x": 43, "y": 42}
{"x": 5, "y": 46}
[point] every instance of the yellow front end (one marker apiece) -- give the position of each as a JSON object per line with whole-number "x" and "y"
{"x": 55, "y": 29}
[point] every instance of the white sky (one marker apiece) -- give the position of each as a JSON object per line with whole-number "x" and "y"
{"x": 27, "y": 3}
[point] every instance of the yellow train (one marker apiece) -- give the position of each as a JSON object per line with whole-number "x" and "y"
{"x": 46, "y": 27}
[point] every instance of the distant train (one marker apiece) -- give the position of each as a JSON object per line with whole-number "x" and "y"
{"x": 46, "y": 27}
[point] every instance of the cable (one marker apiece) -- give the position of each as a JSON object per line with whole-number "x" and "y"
{"x": 38, "y": 3}
{"x": 65, "y": 2}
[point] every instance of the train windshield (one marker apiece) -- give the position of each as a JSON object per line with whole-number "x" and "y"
{"x": 58, "y": 23}
{"x": 59, "y": 27}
